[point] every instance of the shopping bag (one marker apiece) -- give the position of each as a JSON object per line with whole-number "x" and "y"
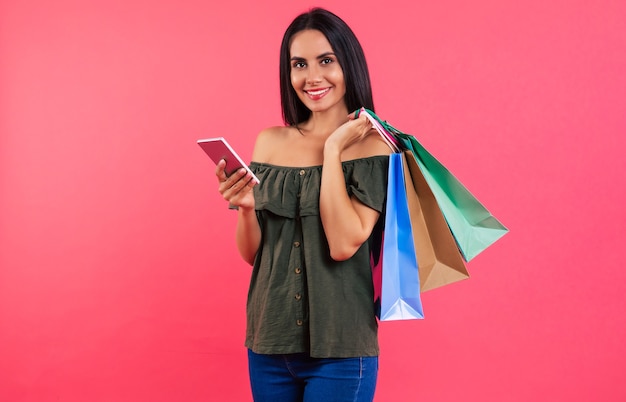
{"x": 400, "y": 288}
{"x": 474, "y": 228}
{"x": 438, "y": 257}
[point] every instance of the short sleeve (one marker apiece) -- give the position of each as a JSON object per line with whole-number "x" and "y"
{"x": 367, "y": 180}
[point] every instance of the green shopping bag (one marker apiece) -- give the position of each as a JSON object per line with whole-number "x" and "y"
{"x": 474, "y": 228}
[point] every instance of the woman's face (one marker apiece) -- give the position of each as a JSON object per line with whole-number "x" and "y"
{"x": 316, "y": 75}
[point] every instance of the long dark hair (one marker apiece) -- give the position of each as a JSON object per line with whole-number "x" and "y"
{"x": 349, "y": 55}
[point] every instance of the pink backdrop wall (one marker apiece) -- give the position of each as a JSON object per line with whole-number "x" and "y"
{"x": 119, "y": 278}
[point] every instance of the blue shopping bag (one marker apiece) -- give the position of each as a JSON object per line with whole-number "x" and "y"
{"x": 400, "y": 288}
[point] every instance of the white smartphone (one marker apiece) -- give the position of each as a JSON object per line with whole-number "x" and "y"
{"x": 218, "y": 149}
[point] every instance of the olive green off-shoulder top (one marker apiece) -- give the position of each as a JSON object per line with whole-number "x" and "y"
{"x": 300, "y": 299}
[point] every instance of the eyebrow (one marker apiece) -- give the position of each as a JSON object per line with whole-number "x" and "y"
{"x": 321, "y": 56}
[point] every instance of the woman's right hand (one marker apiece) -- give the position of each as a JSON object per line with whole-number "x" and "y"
{"x": 236, "y": 189}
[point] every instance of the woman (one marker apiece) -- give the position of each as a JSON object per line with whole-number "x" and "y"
{"x": 309, "y": 226}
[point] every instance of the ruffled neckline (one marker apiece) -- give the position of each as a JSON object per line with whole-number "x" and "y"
{"x": 291, "y": 191}
{"x": 350, "y": 161}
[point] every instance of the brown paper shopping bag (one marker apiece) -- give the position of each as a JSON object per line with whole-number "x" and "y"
{"x": 438, "y": 256}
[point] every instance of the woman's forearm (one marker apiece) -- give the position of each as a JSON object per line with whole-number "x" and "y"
{"x": 248, "y": 234}
{"x": 345, "y": 229}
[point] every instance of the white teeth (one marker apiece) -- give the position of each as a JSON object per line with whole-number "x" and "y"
{"x": 315, "y": 93}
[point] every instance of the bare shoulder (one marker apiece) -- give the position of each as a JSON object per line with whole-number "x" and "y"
{"x": 268, "y": 141}
{"x": 377, "y": 145}
{"x": 372, "y": 145}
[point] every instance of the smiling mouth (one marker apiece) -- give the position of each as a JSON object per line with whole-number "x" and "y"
{"x": 317, "y": 93}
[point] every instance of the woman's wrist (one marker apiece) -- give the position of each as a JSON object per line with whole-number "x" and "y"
{"x": 246, "y": 210}
{"x": 332, "y": 148}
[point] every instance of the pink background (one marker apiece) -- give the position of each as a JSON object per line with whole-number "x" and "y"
{"x": 119, "y": 278}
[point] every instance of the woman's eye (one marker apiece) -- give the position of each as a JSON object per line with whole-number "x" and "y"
{"x": 298, "y": 64}
{"x": 327, "y": 61}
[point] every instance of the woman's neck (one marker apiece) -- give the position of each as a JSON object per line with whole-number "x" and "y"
{"x": 325, "y": 122}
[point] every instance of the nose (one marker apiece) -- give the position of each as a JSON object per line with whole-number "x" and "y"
{"x": 314, "y": 74}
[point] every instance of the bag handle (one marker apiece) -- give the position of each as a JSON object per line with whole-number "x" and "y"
{"x": 381, "y": 128}
{"x": 388, "y": 127}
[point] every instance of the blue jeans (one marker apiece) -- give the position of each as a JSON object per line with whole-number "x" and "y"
{"x": 300, "y": 378}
